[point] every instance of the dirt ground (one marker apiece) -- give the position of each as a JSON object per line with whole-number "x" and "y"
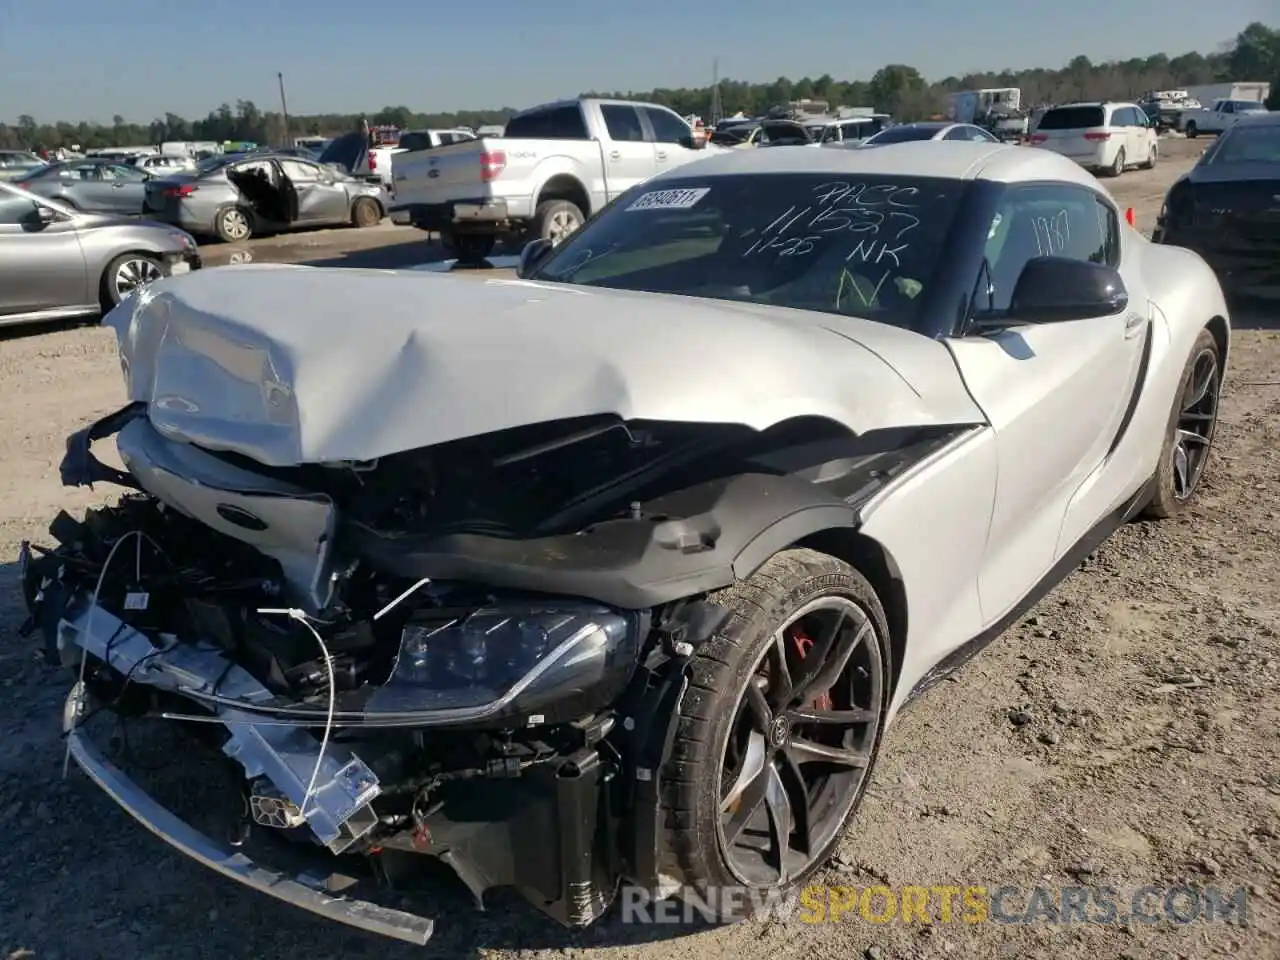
{"x": 1125, "y": 733}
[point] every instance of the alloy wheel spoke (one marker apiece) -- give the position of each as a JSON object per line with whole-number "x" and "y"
{"x": 835, "y": 665}
{"x": 758, "y": 707}
{"x": 780, "y": 682}
{"x": 753, "y": 763}
{"x": 799, "y": 791}
{"x": 802, "y": 750}
{"x": 779, "y": 809}
{"x": 836, "y": 717}
{"x": 817, "y": 654}
{"x": 1186, "y": 437}
{"x": 748, "y": 803}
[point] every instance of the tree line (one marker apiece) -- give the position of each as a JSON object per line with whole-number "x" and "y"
{"x": 897, "y": 89}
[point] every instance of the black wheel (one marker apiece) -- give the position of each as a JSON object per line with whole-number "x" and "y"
{"x": 469, "y": 248}
{"x": 1191, "y": 130}
{"x": 1117, "y": 165}
{"x": 1151, "y": 158}
{"x": 365, "y": 212}
{"x": 1192, "y": 424}
{"x": 233, "y": 224}
{"x": 778, "y": 730}
{"x": 127, "y": 274}
{"x": 555, "y": 220}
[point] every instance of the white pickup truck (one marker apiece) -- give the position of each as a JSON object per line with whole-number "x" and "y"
{"x": 1217, "y": 118}
{"x": 556, "y": 165}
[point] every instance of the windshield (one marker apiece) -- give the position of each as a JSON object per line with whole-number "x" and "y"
{"x": 903, "y": 134}
{"x": 1246, "y": 143}
{"x": 865, "y": 247}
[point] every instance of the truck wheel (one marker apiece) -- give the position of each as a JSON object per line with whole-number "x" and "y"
{"x": 777, "y": 732}
{"x": 1191, "y": 130}
{"x": 555, "y": 220}
{"x": 469, "y": 248}
{"x": 365, "y": 212}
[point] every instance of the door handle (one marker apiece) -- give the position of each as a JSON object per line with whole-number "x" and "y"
{"x": 661, "y": 154}
{"x": 616, "y": 155}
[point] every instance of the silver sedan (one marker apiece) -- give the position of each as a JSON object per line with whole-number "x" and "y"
{"x": 95, "y": 186}
{"x": 929, "y": 130}
{"x": 58, "y": 263}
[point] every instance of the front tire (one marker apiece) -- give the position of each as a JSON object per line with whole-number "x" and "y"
{"x": 777, "y": 732}
{"x": 1193, "y": 421}
{"x": 1191, "y": 130}
{"x": 125, "y": 275}
{"x": 1151, "y": 159}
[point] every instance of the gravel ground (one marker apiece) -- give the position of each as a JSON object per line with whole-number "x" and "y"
{"x": 1125, "y": 733}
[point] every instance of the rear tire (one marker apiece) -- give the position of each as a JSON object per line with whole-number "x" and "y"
{"x": 233, "y": 224}
{"x": 1193, "y": 422}
{"x": 365, "y": 212}
{"x": 806, "y": 637}
{"x": 1117, "y": 165}
{"x": 555, "y": 220}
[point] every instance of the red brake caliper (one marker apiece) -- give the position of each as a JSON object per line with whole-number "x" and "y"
{"x": 804, "y": 643}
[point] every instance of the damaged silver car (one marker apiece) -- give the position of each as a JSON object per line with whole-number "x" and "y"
{"x": 618, "y": 571}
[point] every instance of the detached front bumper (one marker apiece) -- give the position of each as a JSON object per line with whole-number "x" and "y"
{"x": 299, "y": 891}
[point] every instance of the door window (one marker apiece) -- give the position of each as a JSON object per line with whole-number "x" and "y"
{"x": 1044, "y": 221}
{"x": 622, "y": 121}
{"x": 116, "y": 173}
{"x": 1228, "y": 107}
{"x": 667, "y": 127}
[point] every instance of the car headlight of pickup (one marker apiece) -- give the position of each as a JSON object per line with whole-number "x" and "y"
{"x": 546, "y": 660}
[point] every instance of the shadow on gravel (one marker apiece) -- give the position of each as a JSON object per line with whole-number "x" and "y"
{"x": 123, "y": 892}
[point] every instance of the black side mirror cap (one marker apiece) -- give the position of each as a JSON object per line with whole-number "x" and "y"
{"x": 1061, "y": 289}
{"x": 533, "y": 253}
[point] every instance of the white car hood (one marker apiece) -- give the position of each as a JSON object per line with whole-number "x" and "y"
{"x": 290, "y": 364}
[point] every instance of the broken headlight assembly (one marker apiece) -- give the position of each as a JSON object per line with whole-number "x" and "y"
{"x": 545, "y": 662}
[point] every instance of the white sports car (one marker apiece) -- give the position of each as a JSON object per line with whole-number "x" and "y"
{"x": 620, "y": 570}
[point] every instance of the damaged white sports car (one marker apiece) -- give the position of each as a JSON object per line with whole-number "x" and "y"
{"x": 617, "y": 571}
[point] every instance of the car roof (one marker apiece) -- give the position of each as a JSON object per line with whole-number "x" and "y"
{"x": 955, "y": 160}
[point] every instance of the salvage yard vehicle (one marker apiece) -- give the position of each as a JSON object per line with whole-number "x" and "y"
{"x": 1227, "y": 208}
{"x": 94, "y": 186}
{"x": 1219, "y": 117}
{"x": 1106, "y": 138}
{"x": 617, "y": 571}
{"x": 17, "y": 163}
{"x": 57, "y": 263}
{"x": 930, "y": 130}
{"x": 554, "y": 166}
{"x": 233, "y": 198}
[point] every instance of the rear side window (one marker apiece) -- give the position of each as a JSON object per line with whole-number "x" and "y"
{"x": 553, "y": 123}
{"x": 413, "y": 142}
{"x": 622, "y": 122}
{"x": 1072, "y": 118}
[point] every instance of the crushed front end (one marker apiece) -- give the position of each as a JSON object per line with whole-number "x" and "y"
{"x": 363, "y": 719}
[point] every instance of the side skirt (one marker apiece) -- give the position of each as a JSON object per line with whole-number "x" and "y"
{"x": 1070, "y": 560}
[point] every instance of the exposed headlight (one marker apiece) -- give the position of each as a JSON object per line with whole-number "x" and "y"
{"x": 543, "y": 661}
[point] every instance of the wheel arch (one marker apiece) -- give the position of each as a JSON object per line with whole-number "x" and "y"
{"x": 565, "y": 186}
{"x": 874, "y": 561}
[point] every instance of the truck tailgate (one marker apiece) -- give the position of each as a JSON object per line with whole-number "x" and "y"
{"x": 488, "y": 168}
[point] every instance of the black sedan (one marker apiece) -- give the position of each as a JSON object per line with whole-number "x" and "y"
{"x": 1227, "y": 208}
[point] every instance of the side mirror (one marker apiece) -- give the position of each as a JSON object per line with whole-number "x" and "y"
{"x": 46, "y": 214}
{"x": 1059, "y": 289}
{"x": 534, "y": 252}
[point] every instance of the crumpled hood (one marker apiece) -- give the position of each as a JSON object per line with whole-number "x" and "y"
{"x": 291, "y": 364}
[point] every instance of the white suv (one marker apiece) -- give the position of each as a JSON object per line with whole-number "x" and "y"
{"x": 1104, "y": 137}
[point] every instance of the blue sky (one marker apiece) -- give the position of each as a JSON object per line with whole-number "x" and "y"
{"x": 85, "y": 59}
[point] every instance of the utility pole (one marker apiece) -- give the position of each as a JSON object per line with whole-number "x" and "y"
{"x": 716, "y": 108}
{"x": 284, "y": 108}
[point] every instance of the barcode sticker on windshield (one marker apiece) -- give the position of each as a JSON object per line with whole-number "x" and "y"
{"x": 669, "y": 199}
